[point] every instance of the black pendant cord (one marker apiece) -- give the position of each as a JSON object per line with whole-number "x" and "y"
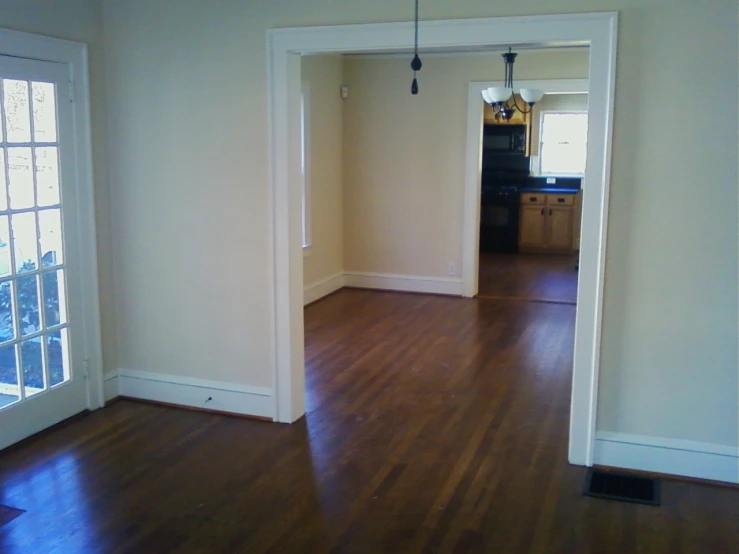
{"x": 416, "y": 64}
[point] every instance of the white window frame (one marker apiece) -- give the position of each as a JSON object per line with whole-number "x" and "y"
{"x": 305, "y": 103}
{"x": 74, "y": 55}
{"x": 539, "y": 169}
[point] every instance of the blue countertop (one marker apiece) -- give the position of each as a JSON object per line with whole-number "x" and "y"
{"x": 549, "y": 190}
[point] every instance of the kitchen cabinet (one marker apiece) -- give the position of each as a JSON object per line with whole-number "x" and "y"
{"x": 547, "y": 222}
{"x": 560, "y": 225}
{"x": 578, "y": 222}
{"x": 532, "y": 220}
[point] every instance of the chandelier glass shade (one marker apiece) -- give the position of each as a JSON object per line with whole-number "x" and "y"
{"x": 503, "y": 99}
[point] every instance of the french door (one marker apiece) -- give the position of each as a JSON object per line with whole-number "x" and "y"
{"x": 42, "y": 363}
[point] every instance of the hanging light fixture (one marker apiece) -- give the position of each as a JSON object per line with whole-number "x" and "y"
{"x": 503, "y": 99}
{"x": 416, "y": 64}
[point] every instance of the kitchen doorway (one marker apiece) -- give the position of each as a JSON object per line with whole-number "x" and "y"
{"x": 531, "y": 198}
{"x": 286, "y": 45}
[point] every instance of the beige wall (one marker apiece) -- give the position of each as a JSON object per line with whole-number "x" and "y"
{"x": 404, "y": 155}
{"x": 81, "y": 21}
{"x": 325, "y": 256}
{"x": 189, "y": 137}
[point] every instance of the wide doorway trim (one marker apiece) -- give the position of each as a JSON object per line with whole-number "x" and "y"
{"x": 598, "y": 31}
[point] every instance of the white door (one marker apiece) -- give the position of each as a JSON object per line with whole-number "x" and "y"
{"x": 42, "y": 363}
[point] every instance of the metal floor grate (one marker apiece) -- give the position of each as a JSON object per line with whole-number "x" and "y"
{"x": 618, "y": 486}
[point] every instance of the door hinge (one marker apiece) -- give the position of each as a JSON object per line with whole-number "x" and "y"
{"x": 86, "y": 366}
{"x": 71, "y": 91}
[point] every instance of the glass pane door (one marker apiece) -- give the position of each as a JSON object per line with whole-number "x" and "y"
{"x": 34, "y": 350}
{"x": 38, "y": 385}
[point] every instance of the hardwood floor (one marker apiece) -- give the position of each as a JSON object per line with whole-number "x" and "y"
{"x": 435, "y": 425}
{"x": 541, "y": 277}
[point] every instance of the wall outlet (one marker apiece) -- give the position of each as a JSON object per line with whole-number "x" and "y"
{"x": 451, "y": 268}
{"x": 551, "y": 180}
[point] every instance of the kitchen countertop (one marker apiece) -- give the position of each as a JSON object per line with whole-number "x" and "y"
{"x": 549, "y": 190}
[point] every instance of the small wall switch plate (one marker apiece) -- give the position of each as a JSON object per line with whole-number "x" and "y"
{"x": 345, "y": 92}
{"x": 551, "y": 180}
{"x": 452, "y": 268}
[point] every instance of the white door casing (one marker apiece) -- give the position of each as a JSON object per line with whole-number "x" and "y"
{"x": 596, "y": 30}
{"x": 58, "y": 271}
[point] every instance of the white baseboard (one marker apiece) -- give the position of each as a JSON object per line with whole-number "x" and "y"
{"x": 324, "y": 287}
{"x": 197, "y": 393}
{"x": 405, "y": 283}
{"x": 701, "y": 460}
{"x": 110, "y": 385}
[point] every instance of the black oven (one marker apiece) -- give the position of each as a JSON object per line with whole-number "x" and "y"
{"x": 504, "y": 139}
{"x": 499, "y": 210}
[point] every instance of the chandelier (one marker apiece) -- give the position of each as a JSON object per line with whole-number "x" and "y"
{"x": 503, "y": 99}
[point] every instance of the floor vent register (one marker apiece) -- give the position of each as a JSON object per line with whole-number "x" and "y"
{"x": 625, "y": 488}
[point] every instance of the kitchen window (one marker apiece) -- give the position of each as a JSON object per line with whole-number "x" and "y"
{"x": 563, "y": 143}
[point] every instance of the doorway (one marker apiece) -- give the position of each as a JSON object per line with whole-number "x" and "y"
{"x": 46, "y": 344}
{"x": 531, "y": 201}
{"x": 286, "y": 45}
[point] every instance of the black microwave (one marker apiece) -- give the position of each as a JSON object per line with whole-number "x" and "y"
{"x": 504, "y": 139}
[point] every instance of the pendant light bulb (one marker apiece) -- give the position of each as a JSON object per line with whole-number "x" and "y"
{"x": 416, "y": 64}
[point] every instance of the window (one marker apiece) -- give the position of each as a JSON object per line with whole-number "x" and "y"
{"x": 563, "y": 143}
{"x": 304, "y": 162}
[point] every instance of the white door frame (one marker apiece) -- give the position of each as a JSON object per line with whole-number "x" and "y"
{"x": 74, "y": 56}
{"x": 472, "y": 173}
{"x": 597, "y": 30}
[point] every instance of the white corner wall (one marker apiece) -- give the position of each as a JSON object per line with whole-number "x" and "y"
{"x": 324, "y": 259}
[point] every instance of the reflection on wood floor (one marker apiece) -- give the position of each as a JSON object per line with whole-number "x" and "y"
{"x": 435, "y": 425}
{"x": 537, "y": 277}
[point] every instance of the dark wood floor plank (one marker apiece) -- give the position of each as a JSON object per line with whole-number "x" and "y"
{"x": 541, "y": 277}
{"x": 434, "y": 425}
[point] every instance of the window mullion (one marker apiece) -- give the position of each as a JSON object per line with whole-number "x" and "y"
{"x": 39, "y": 275}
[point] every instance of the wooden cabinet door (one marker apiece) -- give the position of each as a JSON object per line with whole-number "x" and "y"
{"x": 577, "y": 223}
{"x": 532, "y": 227}
{"x": 559, "y": 228}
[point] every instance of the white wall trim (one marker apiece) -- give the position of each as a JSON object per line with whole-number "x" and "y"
{"x": 382, "y": 281}
{"x": 701, "y": 460}
{"x": 111, "y": 386}
{"x": 188, "y": 391}
{"x": 74, "y": 55}
{"x": 598, "y": 30}
{"x": 405, "y": 283}
{"x": 324, "y": 287}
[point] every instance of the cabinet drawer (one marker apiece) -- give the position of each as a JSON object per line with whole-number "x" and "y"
{"x": 560, "y": 199}
{"x": 533, "y": 198}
